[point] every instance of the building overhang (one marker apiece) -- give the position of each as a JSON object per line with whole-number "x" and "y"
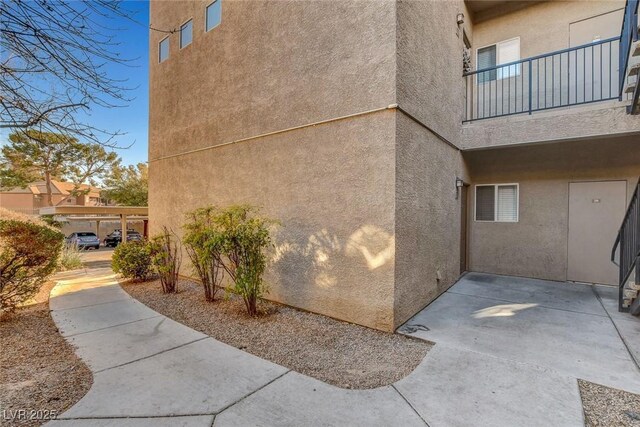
{"x": 481, "y": 10}
{"x": 105, "y": 218}
{"x": 116, "y": 211}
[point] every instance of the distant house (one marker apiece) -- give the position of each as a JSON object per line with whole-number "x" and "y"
{"x": 33, "y": 197}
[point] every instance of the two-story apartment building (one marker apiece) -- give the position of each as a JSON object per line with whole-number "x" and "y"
{"x": 400, "y": 143}
{"x": 30, "y": 199}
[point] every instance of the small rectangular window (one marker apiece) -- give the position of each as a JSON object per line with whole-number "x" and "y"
{"x": 485, "y": 203}
{"x": 497, "y": 203}
{"x": 163, "y": 49}
{"x": 486, "y": 59}
{"x": 186, "y": 34}
{"x": 504, "y": 52}
{"x": 213, "y": 15}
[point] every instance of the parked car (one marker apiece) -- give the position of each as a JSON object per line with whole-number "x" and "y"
{"x": 83, "y": 240}
{"x": 115, "y": 238}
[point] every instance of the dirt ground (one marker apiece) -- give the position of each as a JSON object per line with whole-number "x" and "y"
{"x": 339, "y": 353}
{"x": 40, "y": 375}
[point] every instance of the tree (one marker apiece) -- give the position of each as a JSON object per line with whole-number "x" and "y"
{"x": 128, "y": 185}
{"x": 92, "y": 162}
{"x": 43, "y": 156}
{"x": 53, "y": 69}
{"x": 33, "y": 156}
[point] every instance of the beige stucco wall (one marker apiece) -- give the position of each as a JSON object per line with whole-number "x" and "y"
{"x": 429, "y": 63}
{"x": 427, "y": 217}
{"x": 595, "y": 120}
{"x": 542, "y": 27}
{"x": 21, "y": 202}
{"x": 536, "y": 246}
{"x": 430, "y": 88}
{"x": 332, "y": 188}
{"x": 269, "y": 65}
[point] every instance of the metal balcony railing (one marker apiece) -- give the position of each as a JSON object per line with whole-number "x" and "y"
{"x": 574, "y": 76}
{"x": 626, "y": 254}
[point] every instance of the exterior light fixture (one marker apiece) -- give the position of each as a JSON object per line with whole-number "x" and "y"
{"x": 459, "y": 185}
{"x": 460, "y": 18}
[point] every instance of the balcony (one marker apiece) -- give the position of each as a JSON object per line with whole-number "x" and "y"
{"x": 575, "y": 76}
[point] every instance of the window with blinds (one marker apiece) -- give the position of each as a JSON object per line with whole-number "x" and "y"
{"x": 504, "y": 52}
{"x": 485, "y": 203}
{"x": 487, "y": 57}
{"x": 497, "y": 203}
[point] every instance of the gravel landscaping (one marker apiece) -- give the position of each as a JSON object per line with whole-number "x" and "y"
{"x": 339, "y": 353}
{"x": 605, "y": 406}
{"x": 39, "y": 372}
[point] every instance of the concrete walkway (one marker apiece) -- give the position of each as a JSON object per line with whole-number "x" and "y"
{"x": 151, "y": 371}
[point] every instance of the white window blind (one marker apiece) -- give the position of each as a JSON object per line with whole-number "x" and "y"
{"x": 508, "y": 51}
{"x": 507, "y": 203}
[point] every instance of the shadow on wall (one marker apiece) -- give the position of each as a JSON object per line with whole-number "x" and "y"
{"x": 319, "y": 264}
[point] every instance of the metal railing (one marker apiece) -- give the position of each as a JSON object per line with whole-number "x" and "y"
{"x": 626, "y": 248}
{"x": 573, "y": 76}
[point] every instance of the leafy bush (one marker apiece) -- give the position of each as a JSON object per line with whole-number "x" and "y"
{"x": 244, "y": 239}
{"x": 232, "y": 241}
{"x": 132, "y": 260}
{"x": 166, "y": 258}
{"x": 203, "y": 242}
{"x": 70, "y": 258}
{"x": 29, "y": 252}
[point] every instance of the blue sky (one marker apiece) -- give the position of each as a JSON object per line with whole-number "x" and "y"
{"x": 133, "y": 118}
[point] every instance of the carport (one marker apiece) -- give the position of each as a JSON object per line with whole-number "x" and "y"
{"x": 124, "y": 214}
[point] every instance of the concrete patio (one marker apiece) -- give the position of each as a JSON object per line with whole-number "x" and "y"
{"x": 569, "y": 328}
{"x": 516, "y": 342}
{"x": 508, "y": 352}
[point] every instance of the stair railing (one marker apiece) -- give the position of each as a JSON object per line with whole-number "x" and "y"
{"x": 626, "y": 249}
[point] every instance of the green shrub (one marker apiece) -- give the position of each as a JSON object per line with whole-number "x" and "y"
{"x": 232, "y": 241}
{"x": 29, "y": 252}
{"x": 203, "y": 242}
{"x": 70, "y": 258}
{"x": 166, "y": 258}
{"x": 132, "y": 260}
{"x": 245, "y": 238}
